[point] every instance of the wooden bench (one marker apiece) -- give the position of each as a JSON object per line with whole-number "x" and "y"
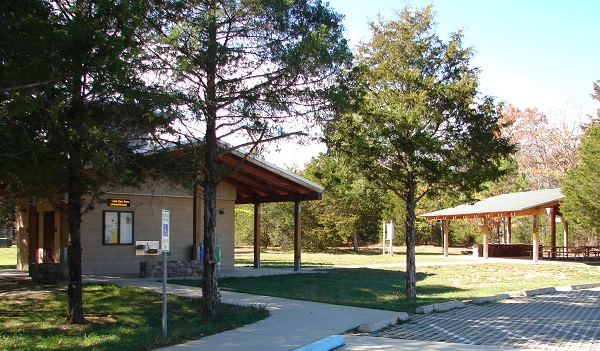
{"x": 566, "y": 252}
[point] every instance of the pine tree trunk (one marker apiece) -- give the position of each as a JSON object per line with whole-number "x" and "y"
{"x": 355, "y": 239}
{"x": 210, "y": 294}
{"x": 74, "y": 289}
{"x": 411, "y": 270}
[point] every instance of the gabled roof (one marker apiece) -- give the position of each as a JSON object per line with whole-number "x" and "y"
{"x": 506, "y": 205}
{"x": 257, "y": 180}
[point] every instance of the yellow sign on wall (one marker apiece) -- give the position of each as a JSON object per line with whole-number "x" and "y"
{"x": 119, "y": 203}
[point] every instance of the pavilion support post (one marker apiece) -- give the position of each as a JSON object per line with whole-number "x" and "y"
{"x": 383, "y": 238}
{"x": 33, "y": 239}
{"x": 485, "y": 238}
{"x": 446, "y": 226}
{"x": 508, "y": 229}
{"x": 297, "y": 237}
{"x": 536, "y": 230}
{"x": 552, "y": 217}
{"x": 565, "y": 233}
{"x": 257, "y": 235}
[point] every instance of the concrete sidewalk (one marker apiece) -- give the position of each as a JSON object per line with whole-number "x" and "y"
{"x": 292, "y": 323}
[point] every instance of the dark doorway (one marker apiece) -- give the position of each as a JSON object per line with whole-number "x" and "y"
{"x": 49, "y": 236}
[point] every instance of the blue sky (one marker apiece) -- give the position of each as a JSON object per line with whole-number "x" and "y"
{"x": 532, "y": 53}
{"x": 542, "y": 54}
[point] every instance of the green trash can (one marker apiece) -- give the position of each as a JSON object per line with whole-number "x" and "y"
{"x": 218, "y": 254}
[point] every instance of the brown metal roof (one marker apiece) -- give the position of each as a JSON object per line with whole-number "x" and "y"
{"x": 506, "y": 205}
{"x": 258, "y": 181}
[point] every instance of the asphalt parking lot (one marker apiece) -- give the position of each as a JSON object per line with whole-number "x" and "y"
{"x": 561, "y": 321}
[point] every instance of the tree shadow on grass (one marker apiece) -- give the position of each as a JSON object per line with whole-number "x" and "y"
{"x": 359, "y": 287}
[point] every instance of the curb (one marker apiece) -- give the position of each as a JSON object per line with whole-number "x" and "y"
{"x": 577, "y": 287}
{"x": 438, "y": 307}
{"x": 325, "y": 344}
{"x": 373, "y": 327}
{"x": 491, "y": 298}
{"x": 532, "y": 292}
{"x": 445, "y": 306}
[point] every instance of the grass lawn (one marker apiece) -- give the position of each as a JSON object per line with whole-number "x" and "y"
{"x": 119, "y": 318}
{"x": 384, "y": 288}
{"x": 8, "y": 257}
{"x": 343, "y": 257}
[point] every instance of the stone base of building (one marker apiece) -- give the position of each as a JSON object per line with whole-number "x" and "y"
{"x": 48, "y": 273}
{"x": 153, "y": 269}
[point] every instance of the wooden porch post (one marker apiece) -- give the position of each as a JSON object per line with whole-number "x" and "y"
{"x": 297, "y": 237}
{"x": 33, "y": 238}
{"x": 565, "y": 232}
{"x": 552, "y": 215}
{"x": 446, "y": 237}
{"x": 485, "y": 238}
{"x": 508, "y": 229}
{"x": 257, "y": 235}
{"x": 535, "y": 238}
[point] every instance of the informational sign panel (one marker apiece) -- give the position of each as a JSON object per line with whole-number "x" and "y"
{"x": 119, "y": 202}
{"x": 388, "y": 235}
{"x": 165, "y": 236}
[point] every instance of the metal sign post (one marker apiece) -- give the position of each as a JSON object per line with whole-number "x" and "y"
{"x": 388, "y": 235}
{"x": 165, "y": 247}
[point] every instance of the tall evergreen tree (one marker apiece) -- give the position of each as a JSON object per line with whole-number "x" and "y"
{"x": 74, "y": 110}
{"x": 351, "y": 209}
{"x": 249, "y": 71}
{"x": 580, "y": 186}
{"x": 423, "y": 126}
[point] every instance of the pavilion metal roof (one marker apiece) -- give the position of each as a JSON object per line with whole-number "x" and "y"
{"x": 506, "y": 205}
{"x": 258, "y": 181}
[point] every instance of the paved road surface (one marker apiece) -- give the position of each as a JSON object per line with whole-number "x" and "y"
{"x": 561, "y": 321}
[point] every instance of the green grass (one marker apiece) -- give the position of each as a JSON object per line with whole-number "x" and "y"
{"x": 119, "y": 318}
{"x": 244, "y": 257}
{"x": 8, "y": 257}
{"x": 384, "y": 288}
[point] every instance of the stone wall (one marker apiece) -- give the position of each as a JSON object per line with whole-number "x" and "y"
{"x": 508, "y": 250}
{"x": 153, "y": 269}
{"x": 48, "y": 273}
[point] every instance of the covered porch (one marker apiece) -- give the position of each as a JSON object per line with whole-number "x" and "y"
{"x": 528, "y": 203}
{"x": 258, "y": 182}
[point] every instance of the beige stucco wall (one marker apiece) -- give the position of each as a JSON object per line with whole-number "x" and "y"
{"x": 147, "y": 205}
{"x": 98, "y": 258}
{"x": 226, "y": 196}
